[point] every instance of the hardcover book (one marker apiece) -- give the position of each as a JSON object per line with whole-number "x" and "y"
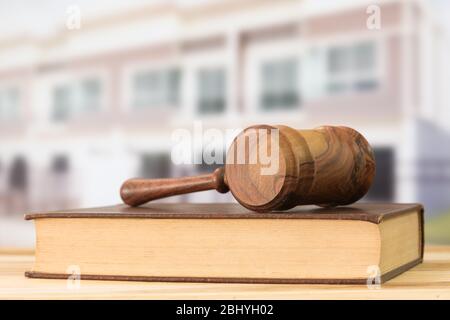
{"x": 227, "y": 243}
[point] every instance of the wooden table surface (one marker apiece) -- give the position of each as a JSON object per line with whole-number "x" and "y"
{"x": 430, "y": 280}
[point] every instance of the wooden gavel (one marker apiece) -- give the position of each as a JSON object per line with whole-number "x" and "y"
{"x": 326, "y": 166}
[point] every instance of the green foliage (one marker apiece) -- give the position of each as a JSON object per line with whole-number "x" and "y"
{"x": 437, "y": 229}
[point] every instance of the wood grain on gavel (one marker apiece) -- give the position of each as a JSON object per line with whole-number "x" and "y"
{"x": 326, "y": 166}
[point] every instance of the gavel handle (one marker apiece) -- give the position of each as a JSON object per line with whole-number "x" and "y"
{"x": 135, "y": 192}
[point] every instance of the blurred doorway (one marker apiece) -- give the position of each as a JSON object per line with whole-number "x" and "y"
{"x": 17, "y": 194}
{"x": 59, "y": 181}
{"x": 383, "y": 185}
{"x": 155, "y": 165}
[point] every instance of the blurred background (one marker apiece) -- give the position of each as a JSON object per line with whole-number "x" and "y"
{"x": 91, "y": 92}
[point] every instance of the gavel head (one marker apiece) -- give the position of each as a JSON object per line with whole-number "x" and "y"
{"x": 271, "y": 168}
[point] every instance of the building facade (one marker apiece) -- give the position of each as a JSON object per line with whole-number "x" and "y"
{"x": 85, "y": 109}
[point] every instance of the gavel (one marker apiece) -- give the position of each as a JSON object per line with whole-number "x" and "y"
{"x": 272, "y": 168}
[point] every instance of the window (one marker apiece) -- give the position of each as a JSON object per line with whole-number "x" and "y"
{"x": 351, "y": 67}
{"x": 364, "y": 56}
{"x": 204, "y": 167}
{"x": 9, "y": 104}
{"x": 156, "y": 88}
{"x": 383, "y": 185}
{"x": 62, "y": 103}
{"x": 60, "y": 164}
{"x": 90, "y": 91}
{"x": 211, "y": 91}
{"x": 72, "y": 100}
{"x": 18, "y": 177}
{"x": 338, "y": 60}
{"x": 156, "y": 165}
{"x": 279, "y": 85}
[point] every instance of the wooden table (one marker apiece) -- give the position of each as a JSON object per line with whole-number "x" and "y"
{"x": 430, "y": 280}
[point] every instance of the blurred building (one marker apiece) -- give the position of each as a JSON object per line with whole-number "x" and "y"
{"x": 82, "y": 110}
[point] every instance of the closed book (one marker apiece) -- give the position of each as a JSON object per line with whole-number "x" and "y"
{"x": 227, "y": 243}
